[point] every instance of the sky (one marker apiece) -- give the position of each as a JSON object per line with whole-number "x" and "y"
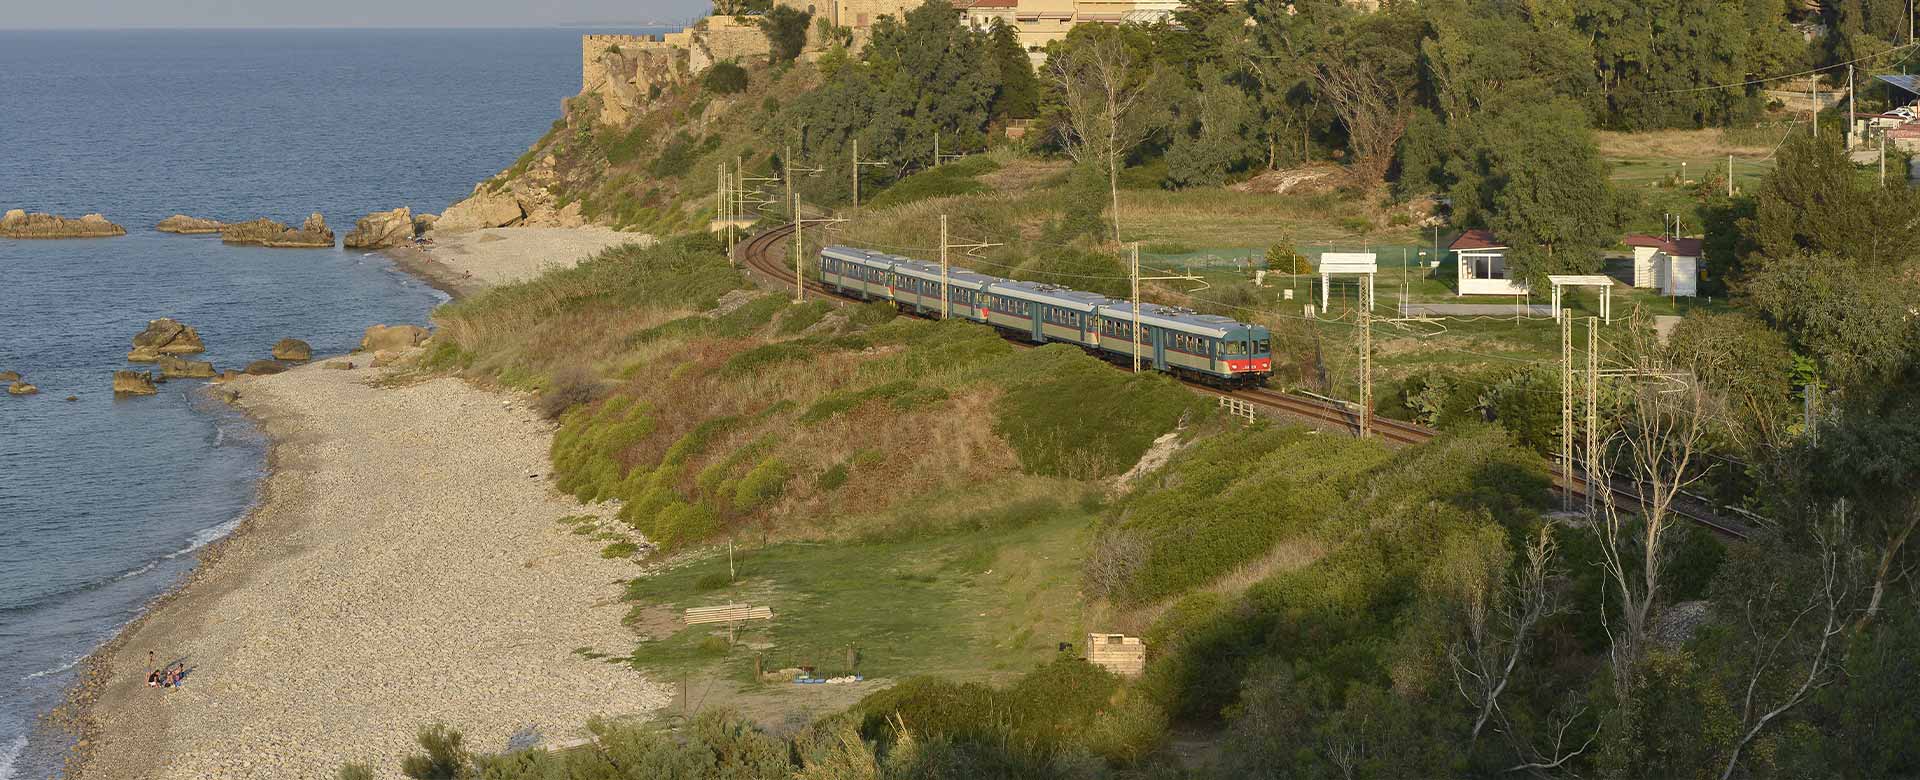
{"x": 109, "y": 14}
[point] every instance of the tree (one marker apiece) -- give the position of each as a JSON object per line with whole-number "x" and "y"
{"x": 1534, "y": 176}
{"x": 724, "y": 78}
{"x": 786, "y": 31}
{"x": 1658, "y": 428}
{"x": 1103, "y": 86}
{"x": 1498, "y": 614}
{"x": 1814, "y": 201}
{"x": 1368, "y": 79}
{"x": 1215, "y": 133}
{"x": 1018, "y": 93}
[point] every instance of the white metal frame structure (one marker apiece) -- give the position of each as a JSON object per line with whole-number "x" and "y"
{"x": 1364, "y": 264}
{"x": 1605, "y": 283}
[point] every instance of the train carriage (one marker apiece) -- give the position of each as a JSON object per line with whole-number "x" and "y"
{"x": 1208, "y": 347}
{"x": 857, "y": 272}
{"x": 1044, "y": 312}
{"x": 916, "y": 289}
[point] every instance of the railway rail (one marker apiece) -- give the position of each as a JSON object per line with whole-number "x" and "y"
{"x": 757, "y": 255}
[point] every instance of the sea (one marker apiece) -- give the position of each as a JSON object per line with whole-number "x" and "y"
{"x": 104, "y": 501}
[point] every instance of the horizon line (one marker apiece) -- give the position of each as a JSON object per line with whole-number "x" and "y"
{"x": 359, "y": 28}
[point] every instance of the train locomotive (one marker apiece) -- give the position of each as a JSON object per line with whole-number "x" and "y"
{"x": 1207, "y": 348}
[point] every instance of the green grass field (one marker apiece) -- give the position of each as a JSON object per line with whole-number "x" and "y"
{"x": 967, "y": 605}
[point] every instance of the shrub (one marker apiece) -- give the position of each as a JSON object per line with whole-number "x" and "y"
{"x": 832, "y": 478}
{"x": 629, "y": 145}
{"x": 618, "y": 550}
{"x": 446, "y": 756}
{"x": 955, "y": 178}
{"x": 677, "y": 158}
{"x": 764, "y": 356}
{"x": 712, "y": 580}
{"x": 724, "y": 78}
{"x": 803, "y": 316}
{"x": 681, "y": 523}
{"x": 570, "y": 387}
{"x": 356, "y": 772}
{"x": 761, "y": 485}
{"x": 714, "y": 645}
{"x": 1066, "y": 414}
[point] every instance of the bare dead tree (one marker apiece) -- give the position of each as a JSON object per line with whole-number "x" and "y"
{"x": 1558, "y": 752}
{"x": 1496, "y": 634}
{"x": 1883, "y": 573}
{"x": 1105, "y": 97}
{"x": 1374, "y": 105}
{"x": 1827, "y": 605}
{"x": 1657, "y": 435}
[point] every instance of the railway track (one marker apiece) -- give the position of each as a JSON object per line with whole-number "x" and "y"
{"x": 757, "y": 255}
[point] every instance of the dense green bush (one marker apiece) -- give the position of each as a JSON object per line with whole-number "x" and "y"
{"x": 761, "y": 485}
{"x": 1067, "y": 414}
{"x": 677, "y": 158}
{"x": 1058, "y": 710}
{"x": 954, "y": 178}
{"x": 724, "y": 78}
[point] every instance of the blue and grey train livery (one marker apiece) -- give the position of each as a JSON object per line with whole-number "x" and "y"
{"x": 1205, "y": 347}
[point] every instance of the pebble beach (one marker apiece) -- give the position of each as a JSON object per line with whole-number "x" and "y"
{"x": 404, "y": 566}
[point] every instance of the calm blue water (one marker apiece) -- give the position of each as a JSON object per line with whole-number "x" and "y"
{"x": 103, "y": 501}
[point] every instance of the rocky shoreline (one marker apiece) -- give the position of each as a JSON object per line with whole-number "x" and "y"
{"x": 402, "y": 563}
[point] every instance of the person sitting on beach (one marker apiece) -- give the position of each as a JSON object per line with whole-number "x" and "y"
{"x": 153, "y": 678}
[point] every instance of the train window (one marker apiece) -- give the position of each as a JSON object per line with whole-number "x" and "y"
{"x": 1234, "y": 347}
{"x": 1262, "y": 346}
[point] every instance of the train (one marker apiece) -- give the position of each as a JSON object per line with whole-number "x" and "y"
{"x": 1206, "y": 348}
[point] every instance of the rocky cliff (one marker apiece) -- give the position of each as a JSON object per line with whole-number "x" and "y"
{"x": 19, "y": 224}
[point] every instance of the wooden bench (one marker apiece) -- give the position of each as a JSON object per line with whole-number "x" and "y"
{"x": 727, "y": 613}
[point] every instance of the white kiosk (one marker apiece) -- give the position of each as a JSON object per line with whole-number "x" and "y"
{"x": 1348, "y": 264}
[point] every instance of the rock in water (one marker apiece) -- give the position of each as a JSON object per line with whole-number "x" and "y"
{"x": 392, "y": 337}
{"x": 292, "y": 349}
{"x": 382, "y": 229}
{"x": 21, "y": 388}
{"x": 164, "y": 336}
{"x": 9, "y": 376}
{"x": 266, "y": 367}
{"x": 313, "y": 234}
{"x": 19, "y": 224}
{"x": 134, "y": 383}
{"x": 185, "y": 225}
{"x": 253, "y": 231}
{"x": 483, "y": 209}
{"x": 172, "y": 367}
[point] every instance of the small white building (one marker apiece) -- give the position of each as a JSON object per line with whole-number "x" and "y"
{"x": 1482, "y": 263}
{"x": 1669, "y": 265}
{"x": 1361, "y": 264}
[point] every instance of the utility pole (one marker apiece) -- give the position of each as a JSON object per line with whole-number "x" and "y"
{"x": 799, "y": 225}
{"x": 946, "y": 289}
{"x": 946, "y": 298}
{"x": 1366, "y": 355}
{"x": 1883, "y": 159}
{"x": 1849, "y": 107}
{"x": 1593, "y": 405}
{"x": 1813, "y": 92}
{"x": 1729, "y": 175}
{"x": 857, "y": 163}
{"x": 1566, "y": 410}
{"x": 1134, "y": 265}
